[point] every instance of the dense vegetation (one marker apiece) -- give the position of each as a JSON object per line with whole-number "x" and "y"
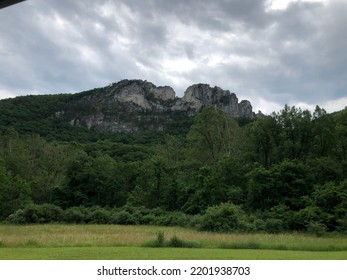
{"x": 283, "y": 172}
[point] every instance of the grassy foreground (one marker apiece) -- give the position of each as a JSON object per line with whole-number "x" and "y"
{"x": 127, "y": 242}
{"x": 138, "y": 253}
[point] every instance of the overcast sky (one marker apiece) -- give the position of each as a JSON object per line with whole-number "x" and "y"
{"x": 269, "y": 52}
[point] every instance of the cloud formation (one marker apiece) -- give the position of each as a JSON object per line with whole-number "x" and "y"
{"x": 267, "y": 53}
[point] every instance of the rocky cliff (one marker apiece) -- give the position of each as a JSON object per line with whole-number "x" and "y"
{"x": 134, "y": 105}
{"x": 199, "y": 96}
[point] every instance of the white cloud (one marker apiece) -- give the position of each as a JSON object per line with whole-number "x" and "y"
{"x": 283, "y": 4}
{"x": 178, "y": 65}
{"x": 265, "y": 106}
{"x": 268, "y": 107}
{"x": 89, "y": 56}
{"x": 6, "y": 94}
{"x": 330, "y": 106}
{"x": 335, "y": 105}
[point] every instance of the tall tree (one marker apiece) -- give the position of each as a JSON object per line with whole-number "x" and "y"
{"x": 265, "y": 140}
{"x": 211, "y": 136}
{"x": 341, "y": 132}
{"x": 14, "y": 192}
{"x": 324, "y": 134}
{"x": 296, "y": 132}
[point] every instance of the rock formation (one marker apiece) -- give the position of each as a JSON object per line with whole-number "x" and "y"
{"x": 133, "y": 105}
{"x": 202, "y": 95}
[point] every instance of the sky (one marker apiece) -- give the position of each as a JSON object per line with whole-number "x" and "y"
{"x": 270, "y": 52}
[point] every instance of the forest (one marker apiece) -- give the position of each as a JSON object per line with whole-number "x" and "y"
{"x": 278, "y": 173}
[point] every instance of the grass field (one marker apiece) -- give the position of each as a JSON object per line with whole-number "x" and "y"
{"x": 140, "y": 253}
{"x": 128, "y": 242}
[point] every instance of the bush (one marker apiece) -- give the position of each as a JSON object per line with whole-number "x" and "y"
{"x": 123, "y": 218}
{"x": 274, "y": 225}
{"x": 45, "y": 213}
{"x": 316, "y": 228}
{"x": 257, "y": 223}
{"x": 280, "y": 214}
{"x": 76, "y": 215}
{"x": 176, "y": 242}
{"x": 100, "y": 216}
{"x": 129, "y": 215}
{"x": 225, "y": 217}
{"x": 142, "y": 215}
{"x": 304, "y": 217}
{"x": 171, "y": 219}
{"x": 17, "y": 217}
{"x": 342, "y": 224}
{"x": 51, "y": 213}
{"x": 158, "y": 242}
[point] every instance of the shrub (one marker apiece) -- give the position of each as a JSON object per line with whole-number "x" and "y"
{"x": 257, "y": 223}
{"x": 100, "y": 216}
{"x": 305, "y": 216}
{"x": 50, "y": 213}
{"x": 280, "y": 214}
{"x": 176, "y": 242}
{"x": 32, "y": 214}
{"x": 160, "y": 241}
{"x": 45, "y": 213}
{"x": 148, "y": 219}
{"x": 17, "y": 217}
{"x": 123, "y": 218}
{"x": 316, "y": 228}
{"x": 76, "y": 215}
{"x": 225, "y": 217}
{"x": 273, "y": 225}
{"x": 342, "y": 224}
{"x": 171, "y": 219}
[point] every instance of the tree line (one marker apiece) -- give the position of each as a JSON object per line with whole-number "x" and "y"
{"x": 282, "y": 172}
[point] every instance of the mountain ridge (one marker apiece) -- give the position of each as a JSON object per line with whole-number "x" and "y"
{"x": 127, "y": 106}
{"x": 148, "y": 103}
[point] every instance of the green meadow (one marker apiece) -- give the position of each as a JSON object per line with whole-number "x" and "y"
{"x": 94, "y": 242}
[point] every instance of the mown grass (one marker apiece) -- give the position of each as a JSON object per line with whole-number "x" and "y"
{"x": 140, "y": 253}
{"x": 117, "y": 242}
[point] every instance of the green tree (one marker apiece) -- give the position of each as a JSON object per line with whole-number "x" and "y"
{"x": 14, "y": 192}
{"x": 40, "y": 163}
{"x": 324, "y": 141}
{"x": 203, "y": 191}
{"x": 261, "y": 193}
{"x": 341, "y": 135}
{"x": 230, "y": 176}
{"x": 94, "y": 181}
{"x": 211, "y": 136}
{"x": 215, "y": 184}
{"x": 325, "y": 169}
{"x": 292, "y": 182}
{"x": 284, "y": 183}
{"x": 296, "y": 133}
{"x": 331, "y": 198}
{"x": 265, "y": 139}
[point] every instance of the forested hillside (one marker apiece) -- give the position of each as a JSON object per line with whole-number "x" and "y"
{"x": 282, "y": 172}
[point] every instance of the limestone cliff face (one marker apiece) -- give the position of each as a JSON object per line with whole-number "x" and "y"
{"x": 143, "y": 94}
{"x": 138, "y": 95}
{"x": 202, "y": 95}
{"x": 135, "y": 105}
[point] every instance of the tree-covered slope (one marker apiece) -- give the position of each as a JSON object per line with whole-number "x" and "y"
{"x": 283, "y": 172}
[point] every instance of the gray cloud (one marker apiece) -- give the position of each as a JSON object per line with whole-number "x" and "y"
{"x": 296, "y": 55}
